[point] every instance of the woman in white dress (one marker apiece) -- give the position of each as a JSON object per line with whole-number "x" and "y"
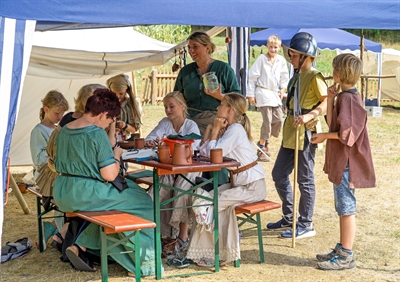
{"x": 175, "y": 223}
{"x": 231, "y": 132}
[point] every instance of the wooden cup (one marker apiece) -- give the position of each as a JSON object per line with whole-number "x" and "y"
{"x": 164, "y": 154}
{"x": 216, "y": 156}
{"x": 139, "y": 143}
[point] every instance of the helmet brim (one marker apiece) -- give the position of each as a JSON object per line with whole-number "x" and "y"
{"x": 286, "y": 53}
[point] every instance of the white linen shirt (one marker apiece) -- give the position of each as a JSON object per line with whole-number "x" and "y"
{"x": 165, "y": 127}
{"x": 236, "y": 145}
{"x": 271, "y": 78}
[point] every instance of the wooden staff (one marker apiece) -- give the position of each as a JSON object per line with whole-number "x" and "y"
{"x": 296, "y": 158}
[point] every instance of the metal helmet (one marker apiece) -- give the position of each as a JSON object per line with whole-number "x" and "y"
{"x": 304, "y": 43}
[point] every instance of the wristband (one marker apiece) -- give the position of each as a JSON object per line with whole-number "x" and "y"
{"x": 117, "y": 160}
{"x": 125, "y": 127}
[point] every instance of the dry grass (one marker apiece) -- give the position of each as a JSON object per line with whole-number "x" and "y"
{"x": 377, "y": 245}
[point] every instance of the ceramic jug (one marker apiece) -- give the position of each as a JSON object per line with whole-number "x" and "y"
{"x": 182, "y": 154}
{"x": 210, "y": 81}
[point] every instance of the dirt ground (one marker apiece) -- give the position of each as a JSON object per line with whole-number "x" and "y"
{"x": 377, "y": 244}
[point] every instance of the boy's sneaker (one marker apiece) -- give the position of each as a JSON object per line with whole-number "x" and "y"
{"x": 282, "y": 224}
{"x": 331, "y": 255}
{"x": 341, "y": 261}
{"x": 301, "y": 232}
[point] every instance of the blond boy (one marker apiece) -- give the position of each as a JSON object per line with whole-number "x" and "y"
{"x": 348, "y": 159}
{"x": 268, "y": 78}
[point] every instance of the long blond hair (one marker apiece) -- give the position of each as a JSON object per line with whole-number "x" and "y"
{"x": 121, "y": 82}
{"x": 178, "y": 96}
{"x": 238, "y": 103}
{"x": 53, "y": 99}
{"x": 83, "y": 94}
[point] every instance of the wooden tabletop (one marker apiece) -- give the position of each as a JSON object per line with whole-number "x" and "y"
{"x": 198, "y": 165}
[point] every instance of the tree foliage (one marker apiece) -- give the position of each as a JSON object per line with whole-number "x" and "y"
{"x": 167, "y": 33}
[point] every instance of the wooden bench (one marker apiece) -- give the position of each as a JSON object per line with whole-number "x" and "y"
{"x": 245, "y": 214}
{"x": 41, "y": 214}
{"x": 111, "y": 222}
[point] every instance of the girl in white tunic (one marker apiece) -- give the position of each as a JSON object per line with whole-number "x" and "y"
{"x": 231, "y": 132}
{"x": 175, "y": 223}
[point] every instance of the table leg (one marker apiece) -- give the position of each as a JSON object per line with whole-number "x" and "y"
{"x": 157, "y": 230}
{"x": 216, "y": 226}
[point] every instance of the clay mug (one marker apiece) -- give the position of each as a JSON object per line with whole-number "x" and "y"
{"x": 182, "y": 154}
{"x": 216, "y": 156}
{"x": 139, "y": 143}
{"x": 163, "y": 154}
{"x": 136, "y": 135}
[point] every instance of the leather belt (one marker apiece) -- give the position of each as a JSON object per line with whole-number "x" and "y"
{"x": 303, "y": 112}
{"x": 232, "y": 172}
{"x": 263, "y": 87}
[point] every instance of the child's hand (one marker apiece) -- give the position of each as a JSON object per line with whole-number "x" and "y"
{"x": 252, "y": 101}
{"x": 220, "y": 123}
{"x": 333, "y": 90}
{"x": 120, "y": 124}
{"x": 318, "y": 138}
{"x": 150, "y": 144}
{"x": 302, "y": 119}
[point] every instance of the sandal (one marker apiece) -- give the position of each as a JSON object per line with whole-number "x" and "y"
{"x": 206, "y": 262}
{"x": 179, "y": 263}
{"x": 180, "y": 244}
{"x": 78, "y": 259}
{"x": 56, "y": 244}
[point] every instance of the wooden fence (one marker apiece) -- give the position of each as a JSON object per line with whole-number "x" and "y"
{"x": 155, "y": 86}
{"x": 371, "y": 85}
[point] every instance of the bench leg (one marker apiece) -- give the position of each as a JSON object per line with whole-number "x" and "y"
{"x": 103, "y": 256}
{"x": 236, "y": 263}
{"x": 39, "y": 217}
{"x": 104, "y": 251}
{"x": 137, "y": 255}
{"x": 260, "y": 242}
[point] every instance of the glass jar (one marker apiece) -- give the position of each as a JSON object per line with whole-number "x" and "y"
{"x": 210, "y": 81}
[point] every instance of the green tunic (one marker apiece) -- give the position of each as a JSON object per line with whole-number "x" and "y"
{"x": 191, "y": 85}
{"x": 84, "y": 152}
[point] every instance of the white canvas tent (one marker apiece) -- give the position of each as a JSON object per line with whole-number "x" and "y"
{"x": 90, "y": 47}
{"x": 391, "y": 65}
{"x": 87, "y": 53}
{"x": 66, "y": 60}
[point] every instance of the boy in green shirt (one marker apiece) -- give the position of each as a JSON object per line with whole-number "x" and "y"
{"x": 307, "y": 91}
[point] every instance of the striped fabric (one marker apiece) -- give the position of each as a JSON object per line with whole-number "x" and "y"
{"x": 238, "y": 54}
{"x": 15, "y": 48}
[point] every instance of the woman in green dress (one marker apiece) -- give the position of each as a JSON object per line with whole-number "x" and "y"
{"x": 86, "y": 160}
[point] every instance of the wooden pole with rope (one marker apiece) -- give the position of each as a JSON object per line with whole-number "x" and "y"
{"x": 296, "y": 159}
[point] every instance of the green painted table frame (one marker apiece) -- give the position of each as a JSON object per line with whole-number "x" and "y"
{"x": 160, "y": 169}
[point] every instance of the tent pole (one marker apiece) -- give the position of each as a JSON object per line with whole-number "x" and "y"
{"x": 379, "y": 79}
{"x": 362, "y": 71}
{"x": 134, "y": 86}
